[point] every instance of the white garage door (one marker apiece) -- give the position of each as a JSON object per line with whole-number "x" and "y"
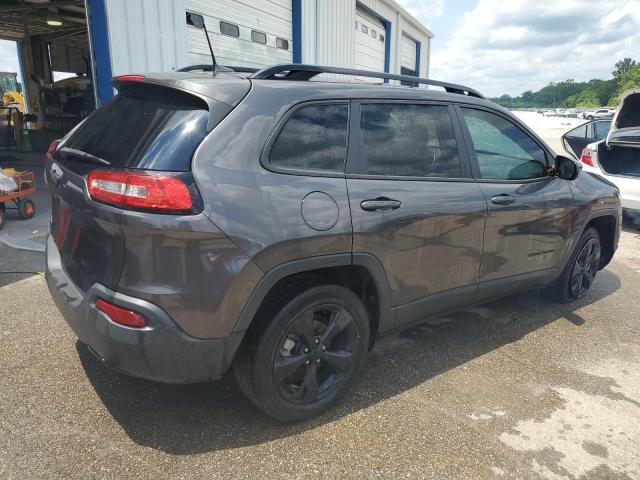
{"x": 244, "y": 33}
{"x": 408, "y": 56}
{"x": 369, "y": 42}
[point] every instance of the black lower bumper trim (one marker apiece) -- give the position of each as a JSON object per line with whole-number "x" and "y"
{"x": 161, "y": 351}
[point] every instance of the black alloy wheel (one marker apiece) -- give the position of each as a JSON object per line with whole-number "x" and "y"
{"x": 585, "y": 268}
{"x": 580, "y": 270}
{"x": 315, "y": 354}
{"x": 306, "y": 352}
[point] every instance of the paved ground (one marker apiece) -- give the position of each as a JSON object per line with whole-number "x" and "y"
{"x": 519, "y": 388}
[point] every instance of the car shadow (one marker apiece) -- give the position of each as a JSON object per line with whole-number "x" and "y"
{"x": 200, "y": 418}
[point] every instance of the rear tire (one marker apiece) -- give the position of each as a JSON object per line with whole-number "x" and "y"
{"x": 3, "y": 218}
{"x": 305, "y": 354}
{"x": 26, "y": 208}
{"x": 580, "y": 271}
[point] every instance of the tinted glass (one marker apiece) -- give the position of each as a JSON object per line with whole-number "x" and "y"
{"x": 314, "y": 138}
{"x": 229, "y": 29}
{"x": 409, "y": 140}
{"x": 602, "y": 129}
{"x": 282, "y": 43}
{"x": 143, "y": 126}
{"x": 258, "y": 37}
{"x": 504, "y": 150}
{"x": 580, "y": 132}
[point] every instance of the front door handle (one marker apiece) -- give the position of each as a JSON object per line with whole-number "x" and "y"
{"x": 503, "y": 199}
{"x": 380, "y": 204}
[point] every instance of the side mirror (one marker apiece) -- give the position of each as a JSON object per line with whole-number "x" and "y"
{"x": 566, "y": 168}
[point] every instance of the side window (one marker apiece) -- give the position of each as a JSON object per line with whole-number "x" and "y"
{"x": 602, "y": 129}
{"x": 409, "y": 141}
{"x": 314, "y": 138}
{"x": 579, "y": 132}
{"x": 504, "y": 150}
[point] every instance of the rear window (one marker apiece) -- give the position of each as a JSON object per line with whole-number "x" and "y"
{"x": 145, "y": 127}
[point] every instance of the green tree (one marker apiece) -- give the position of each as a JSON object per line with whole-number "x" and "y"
{"x": 569, "y": 93}
{"x": 627, "y": 81}
{"x": 623, "y": 67}
{"x": 588, "y": 99}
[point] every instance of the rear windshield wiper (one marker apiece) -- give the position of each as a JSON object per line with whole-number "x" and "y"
{"x": 84, "y": 155}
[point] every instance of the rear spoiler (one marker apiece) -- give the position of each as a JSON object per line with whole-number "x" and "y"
{"x": 220, "y": 97}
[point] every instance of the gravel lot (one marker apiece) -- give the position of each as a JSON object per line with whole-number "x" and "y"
{"x": 519, "y": 388}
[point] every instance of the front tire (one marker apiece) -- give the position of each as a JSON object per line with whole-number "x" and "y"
{"x": 306, "y": 354}
{"x": 580, "y": 272}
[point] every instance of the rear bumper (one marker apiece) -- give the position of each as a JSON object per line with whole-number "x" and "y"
{"x": 160, "y": 352}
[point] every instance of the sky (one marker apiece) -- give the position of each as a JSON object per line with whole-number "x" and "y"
{"x": 9, "y": 57}
{"x": 510, "y": 46}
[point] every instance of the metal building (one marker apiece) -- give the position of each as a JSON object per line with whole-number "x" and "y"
{"x": 367, "y": 34}
{"x": 99, "y": 39}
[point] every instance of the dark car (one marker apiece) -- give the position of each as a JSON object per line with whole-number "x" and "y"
{"x": 278, "y": 225}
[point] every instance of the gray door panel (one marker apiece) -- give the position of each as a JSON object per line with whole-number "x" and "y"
{"x": 528, "y": 234}
{"x": 432, "y": 243}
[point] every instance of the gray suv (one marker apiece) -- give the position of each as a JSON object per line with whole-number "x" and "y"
{"x": 277, "y": 225}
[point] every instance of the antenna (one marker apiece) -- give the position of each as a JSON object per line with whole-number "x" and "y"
{"x": 198, "y": 22}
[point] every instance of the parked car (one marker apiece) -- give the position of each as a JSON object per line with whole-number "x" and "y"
{"x": 570, "y": 112}
{"x": 613, "y": 152}
{"x": 279, "y": 226}
{"x": 599, "y": 113}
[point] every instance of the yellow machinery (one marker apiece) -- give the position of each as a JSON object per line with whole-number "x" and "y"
{"x": 10, "y": 91}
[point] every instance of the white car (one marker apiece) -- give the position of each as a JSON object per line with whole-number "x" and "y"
{"x": 599, "y": 113}
{"x": 612, "y": 149}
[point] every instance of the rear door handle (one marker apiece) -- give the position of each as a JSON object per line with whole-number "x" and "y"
{"x": 380, "y": 204}
{"x": 503, "y": 199}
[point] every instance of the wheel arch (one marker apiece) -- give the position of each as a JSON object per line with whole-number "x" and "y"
{"x": 606, "y": 224}
{"x": 360, "y": 272}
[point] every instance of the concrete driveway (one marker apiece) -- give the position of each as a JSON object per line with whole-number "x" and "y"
{"x": 519, "y": 388}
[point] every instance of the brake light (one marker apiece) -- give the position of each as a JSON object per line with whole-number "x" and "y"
{"x": 139, "y": 191}
{"x": 52, "y": 148}
{"x": 586, "y": 157}
{"x": 121, "y": 315}
{"x": 130, "y": 78}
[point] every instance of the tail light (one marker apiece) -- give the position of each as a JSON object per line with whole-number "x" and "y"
{"x": 586, "y": 157}
{"x": 52, "y": 148}
{"x": 121, "y": 315}
{"x": 145, "y": 191}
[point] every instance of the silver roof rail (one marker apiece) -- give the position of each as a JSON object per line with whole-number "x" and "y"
{"x": 306, "y": 72}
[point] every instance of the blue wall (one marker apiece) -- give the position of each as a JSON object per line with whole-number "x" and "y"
{"x": 100, "y": 44}
{"x": 296, "y": 13}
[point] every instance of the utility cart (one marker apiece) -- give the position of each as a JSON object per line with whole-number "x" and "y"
{"x": 19, "y": 199}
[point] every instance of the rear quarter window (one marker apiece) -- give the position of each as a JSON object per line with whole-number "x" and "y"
{"x": 313, "y": 138}
{"x": 144, "y": 127}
